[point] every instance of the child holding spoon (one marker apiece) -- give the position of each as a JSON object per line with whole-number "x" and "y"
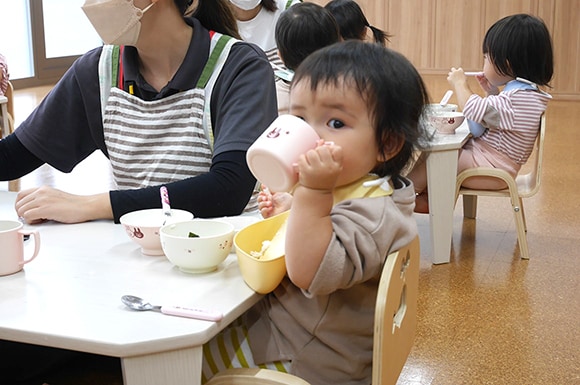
{"x": 517, "y": 54}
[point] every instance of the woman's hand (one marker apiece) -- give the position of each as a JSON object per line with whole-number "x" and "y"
{"x": 46, "y": 203}
{"x": 271, "y": 204}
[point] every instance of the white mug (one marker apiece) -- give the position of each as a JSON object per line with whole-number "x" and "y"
{"x": 12, "y": 246}
{"x": 272, "y": 157}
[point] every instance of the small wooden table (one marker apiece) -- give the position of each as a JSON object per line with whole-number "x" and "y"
{"x": 441, "y": 177}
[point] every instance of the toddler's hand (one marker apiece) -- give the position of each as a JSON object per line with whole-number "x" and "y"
{"x": 456, "y": 76}
{"x": 486, "y": 86}
{"x": 320, "y": 168}
{"x": 271, "y": 204}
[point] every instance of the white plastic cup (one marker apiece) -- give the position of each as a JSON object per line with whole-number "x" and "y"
{"x": 12, "y": 251}
{"x": 272, "y": 157}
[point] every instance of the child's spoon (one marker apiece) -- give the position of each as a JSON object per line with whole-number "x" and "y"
{"x": 165, "y": 203}
{"x": 446, "y": 98}
{"x": 139, "y": 304}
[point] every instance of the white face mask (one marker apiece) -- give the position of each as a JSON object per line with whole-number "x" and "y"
{"x": 286, "y": 74}
{"x": 117, "y": 22}
{"x": 246, "y": 5}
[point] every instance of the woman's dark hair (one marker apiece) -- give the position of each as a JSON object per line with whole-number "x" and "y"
{"x": 215, "y": 15}
{"x": 301, "y": 30}
{"x": 520, "y": 46}
{"x": 387, "y": 82}
{"x": 353, "y": 22}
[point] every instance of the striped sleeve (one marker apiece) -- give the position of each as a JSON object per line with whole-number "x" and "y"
{"x": 513, "y": 118}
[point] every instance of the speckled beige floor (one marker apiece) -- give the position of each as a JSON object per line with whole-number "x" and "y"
{"x": 489, "y": 317}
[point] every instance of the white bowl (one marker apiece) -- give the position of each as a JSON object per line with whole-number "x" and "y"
{"x": 200, "y": 254}
{"x": 143, "y": 226}
{"x": 436, "y": 108}
{"x": 240, "y": 221}
{"x": 446, "y": 122}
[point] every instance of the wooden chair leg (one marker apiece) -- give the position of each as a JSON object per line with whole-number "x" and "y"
{"x": 521, "y": 229}
{"x": 469, "y": 206}
{"x": 14, "y": 185}
{"x": 523, "y": 214}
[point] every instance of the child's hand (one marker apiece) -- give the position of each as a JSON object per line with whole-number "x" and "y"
{"x": 271, "y": 204}
{"x": 486, "y": 86}
{"x": 456, "y": 77}
{"x": 320, "y": 168}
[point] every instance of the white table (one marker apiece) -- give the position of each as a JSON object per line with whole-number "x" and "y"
{"x": 70, "y": 297}
{"x": 4, "y": 126}
{"x": 441, "y": 177}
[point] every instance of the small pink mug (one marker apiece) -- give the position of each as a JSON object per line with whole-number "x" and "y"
{"x": 272, "y": 157}
{"x": 12, "y": 251}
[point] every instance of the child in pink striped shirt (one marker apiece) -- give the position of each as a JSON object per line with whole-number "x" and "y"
{"x": 517, "y": 53}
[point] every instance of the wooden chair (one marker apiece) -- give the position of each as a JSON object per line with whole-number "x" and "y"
{"x": 13, "y": 185}
{"x": 524, "y": 185}
{"x": 254, "y": 376}
{"x": 394, "y": 332}
{"x": 10, "y": 105}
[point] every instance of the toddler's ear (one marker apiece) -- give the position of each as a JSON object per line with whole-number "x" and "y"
{"x": 391, "y": 147}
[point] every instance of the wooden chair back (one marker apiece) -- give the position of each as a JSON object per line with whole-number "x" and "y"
{"x": 394, "y": 332}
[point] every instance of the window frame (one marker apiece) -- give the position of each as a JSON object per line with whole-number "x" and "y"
{"x": 46, "y": 70}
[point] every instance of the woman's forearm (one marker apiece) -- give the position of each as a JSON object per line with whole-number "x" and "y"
{"x": 15, "y": 159}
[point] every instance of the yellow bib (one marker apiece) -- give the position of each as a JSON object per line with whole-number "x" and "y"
{"x": 369, "y": 186}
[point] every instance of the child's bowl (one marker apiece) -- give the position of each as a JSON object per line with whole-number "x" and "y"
{"x": 446, "y": 122}
{"x": 262, "y": 274}
{"x": 198, "y": 245}
{"x": 436, "y": 108}
{"x": 240, "y": 221}
{"x": 142, "y": 226}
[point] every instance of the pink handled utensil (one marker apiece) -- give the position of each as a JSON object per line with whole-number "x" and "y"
{"x": 165, "y": 203}
{"x": 140, "y": 304}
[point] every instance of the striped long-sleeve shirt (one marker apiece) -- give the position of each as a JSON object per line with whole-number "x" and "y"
{"x": 512, "y": 119}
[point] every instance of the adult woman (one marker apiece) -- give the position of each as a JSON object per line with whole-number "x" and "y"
{"x": 257, "y": 22}
{"x": 163, "y": 69}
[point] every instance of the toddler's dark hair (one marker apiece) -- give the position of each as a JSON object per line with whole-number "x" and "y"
{"x": 387, "y": 82}
{"x": 301, "y": 30}
{"x": 520, "y": 46}
{"x": 353, "y": 22}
